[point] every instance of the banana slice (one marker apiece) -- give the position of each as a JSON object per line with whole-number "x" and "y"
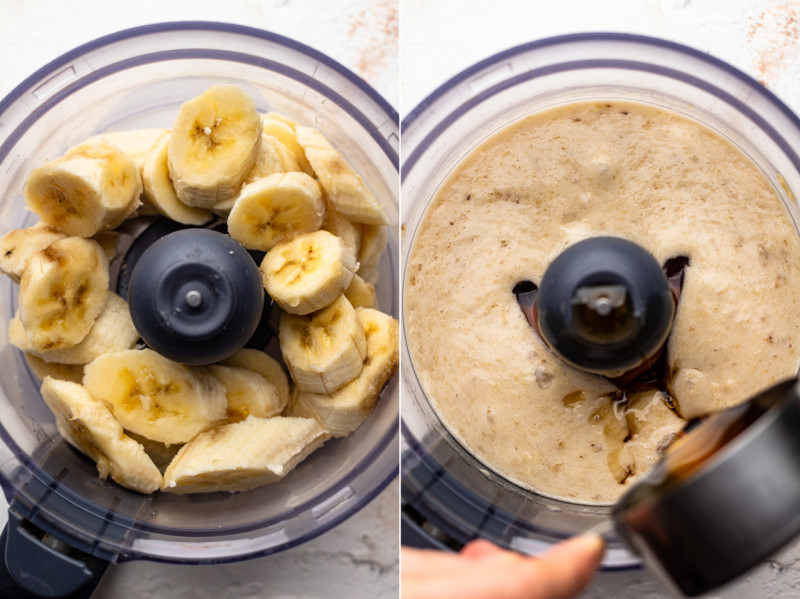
{"x": 62, "y": 292}
{"x": 276, "y": 207}
{"x": 265, "y": 365}
{"x": 18, "y": 246}
{"x": 360, "y": 293}
{"x": 86, "y": 423}
{"x": 287, "y": 158}
{"x": 324, "y": 350}
{"x": 344, "y": 187}
{"x": 243, "y": 455}
{"x": 341, "y": 226}
{"x": 156, "y": 397}
{"x": 90, "y": 188}
{"x": 112, "y": 331}
{"x": 63, "y": 372}
{"x": 136, "y": 144}
{"x": 343, "y": 412}
{"x": 373, "y": 242}
{"x": 159, "y": 191}
{"x": 214, "y": 144}
{"x": 268, "y": 161}
{"x": 248, "y": 393}
{"x": 306, "y": 273}
{"x": 285, "y": 133}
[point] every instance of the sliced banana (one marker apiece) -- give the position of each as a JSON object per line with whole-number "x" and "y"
{"x": 90, "y": 188}
{"x": 274, "y": 208}
{"x": 213, "y": 145}
{"x": 306, "y": 273}
{"x": 156, "y": 397}
{"x": 344, "y": 187}
{"x": 341, "y": 226}
{"x": 18, "y": 246}
{"x": 159, "y": 191}
{"x": 324, "y": 350}
{"x": 268, "y": 161}
{"x": 287, "y": 158}
{"x": 136, "y": 144}
{"x": 344, "y": 411}
{"x": 265, "y": 365}
{"x": 285, "y": 132}
{"x": 87, "y": 424}
{"x": 248, "y": 393}
{"x": 63, "y": 372}
{"x": 62, "y": 292}
{"x": 112, "y": 331}
{"x": 360, "y": 293}
{"x": 373, "y": 241}
{"x": 243, "y": 455}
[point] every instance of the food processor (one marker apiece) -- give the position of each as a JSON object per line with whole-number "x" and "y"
{"x": 65, "y": 523}
{"x": 450, "y": 497}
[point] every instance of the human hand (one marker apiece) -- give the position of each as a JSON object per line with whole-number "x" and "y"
{"x": 484, "y": 571}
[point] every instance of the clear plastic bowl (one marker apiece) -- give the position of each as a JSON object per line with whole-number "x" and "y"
{"x": 138, "y": 78}
{"x": 455, "y": 495}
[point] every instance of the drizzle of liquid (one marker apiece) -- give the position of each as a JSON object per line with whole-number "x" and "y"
{"x": 653, "y": 374}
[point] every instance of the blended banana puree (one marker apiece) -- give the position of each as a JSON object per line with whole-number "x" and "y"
{"x": 544, "y": 183}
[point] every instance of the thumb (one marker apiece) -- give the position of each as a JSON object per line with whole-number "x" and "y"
{"x": 566, "y": 569}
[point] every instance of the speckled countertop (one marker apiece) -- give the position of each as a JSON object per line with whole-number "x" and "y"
{"x": 760, "y": 37}
{"x": 359, "y": 558}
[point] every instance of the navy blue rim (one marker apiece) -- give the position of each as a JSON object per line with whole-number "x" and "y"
{"x": 66, "y": 59}
{"x": 547, "y": 43}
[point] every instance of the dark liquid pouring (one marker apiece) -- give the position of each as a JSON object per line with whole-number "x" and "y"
{"x": 653, "y": 374}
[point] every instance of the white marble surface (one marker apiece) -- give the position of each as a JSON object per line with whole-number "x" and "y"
{"x": 760, "y": 37}
{"x": 359, "y": 558}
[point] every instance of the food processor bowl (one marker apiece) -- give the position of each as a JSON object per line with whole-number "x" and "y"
{"x": 135, "y": 79}
{"x": 450, "y": 497}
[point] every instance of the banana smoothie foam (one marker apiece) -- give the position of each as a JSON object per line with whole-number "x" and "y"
{"x": 544, "y": 183}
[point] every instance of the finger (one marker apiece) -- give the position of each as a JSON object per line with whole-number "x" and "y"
{"x": 479, "y": 549}
{"x": 565, "y": 570}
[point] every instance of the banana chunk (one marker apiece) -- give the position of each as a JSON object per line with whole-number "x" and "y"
{"x": 344, "y": 187}
{"x": 360, "y": 293}
{"x": 307, "y": 272}
{"x": 62, "y": 292}
{"x": 265, "y": 365}
{"x": 285, "y": 133}
{"x": 248, "y": 393}
{"x": 341, "y": 226}
{"x": 243, "y": 455}
{"x": 159, "y": 191}
{"x": 112, "y": 331}
{"x": 268, "y": 161}
{"x": 86, "y": 423}
{"x": 274, "y": 208}
{"x": 18, "y": 246}
{"x": 88, "y": 189}
{"x": 156, "y": 397}
{"x": 214, "y": 143}
{"x": 343, "y": 412}
{"x": 324, "y": 350}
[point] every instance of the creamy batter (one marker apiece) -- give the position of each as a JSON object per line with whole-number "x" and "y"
{"x": 549, "y": 180}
